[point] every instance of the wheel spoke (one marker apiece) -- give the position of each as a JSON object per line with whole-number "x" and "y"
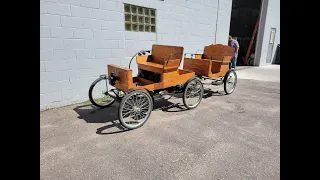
{"x": 144, "y": 104}
{"x": 144, "y": 108}
{"x": 138, "y": 99}
{"x": 127, "y": 106}
{"x": 142, "y": 114}
{"x": 135, "y": 116}
{"x": 141, "y": 100}
{"x": 128, "y": 113}
{"x": 133, "y": 101}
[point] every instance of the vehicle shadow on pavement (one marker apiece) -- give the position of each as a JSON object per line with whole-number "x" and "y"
{"x": 109, "y": 115}
{"x": 92, "y": 114}
{"x": 206, "y": 94}
{"x": 209, "y": 93}
{"x": 178, "y": 107}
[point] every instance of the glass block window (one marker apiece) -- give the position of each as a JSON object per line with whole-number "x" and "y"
{"x": 139, "y": 19}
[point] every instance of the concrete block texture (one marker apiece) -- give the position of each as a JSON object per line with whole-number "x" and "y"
{"x": 58, "y": 9}
{"x": 91, "y": 3}
{"x": 94, "y": 24}
{"x": 79, "y": 38}
{"x": 49, "y": 19}
{"x": 83, "y": 33}
{"x": 74, "y": 22}
{"x": 61, "y": 32}
{"x": 44, "y": 31}
{"x": 80, "y": 11}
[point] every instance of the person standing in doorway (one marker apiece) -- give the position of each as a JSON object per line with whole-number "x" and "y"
{"x": 234, "y": 44}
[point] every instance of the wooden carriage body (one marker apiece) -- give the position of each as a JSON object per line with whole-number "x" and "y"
{"x": 163, "y": 63}
{"x": 213, "y": 63}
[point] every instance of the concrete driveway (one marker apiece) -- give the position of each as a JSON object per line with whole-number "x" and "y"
{"x": 232, "y": 137}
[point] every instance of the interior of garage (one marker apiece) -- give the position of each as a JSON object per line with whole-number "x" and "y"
{"x": 244, "y": 18}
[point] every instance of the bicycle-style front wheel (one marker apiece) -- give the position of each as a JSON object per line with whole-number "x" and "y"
{"x": 98, "y": 93}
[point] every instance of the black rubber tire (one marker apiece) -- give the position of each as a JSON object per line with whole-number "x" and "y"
{"x": 124, "y": 99}
{"x": 91, "y": 98}
{"x": 184, "y": 92}
{"x": 225, "y": 79}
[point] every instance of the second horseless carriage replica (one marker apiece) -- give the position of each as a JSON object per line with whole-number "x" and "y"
{"x": 213, "y": 64}
{"x": 158, "y": 71}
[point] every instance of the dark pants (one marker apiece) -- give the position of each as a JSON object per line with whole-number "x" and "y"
{"x": 233, "y": 62}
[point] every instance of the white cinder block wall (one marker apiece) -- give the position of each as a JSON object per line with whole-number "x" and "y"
{"x": 78, "y": 38}
{"x": 224, "y": 18}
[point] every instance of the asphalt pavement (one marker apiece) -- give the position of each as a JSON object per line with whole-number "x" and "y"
{"x": 234, "y": 136}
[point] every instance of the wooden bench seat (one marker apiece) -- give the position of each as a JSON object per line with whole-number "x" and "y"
{"x": 150, "y": 66}
{"x": 156, "y": 68}
{"x": 162, "y": 60}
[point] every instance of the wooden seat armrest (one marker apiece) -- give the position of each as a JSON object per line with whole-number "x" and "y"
{"x": 142, "y": 59}
{"x": 172, "y": 63}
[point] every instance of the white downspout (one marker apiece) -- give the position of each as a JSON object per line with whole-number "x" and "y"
{"x": 215, "y": 36}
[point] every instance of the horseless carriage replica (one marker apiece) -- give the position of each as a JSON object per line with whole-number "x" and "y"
{"x": 213, "y": 64}
{"x": 158, "y": 71}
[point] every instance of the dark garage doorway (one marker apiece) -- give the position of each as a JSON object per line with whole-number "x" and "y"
{"x": 244, "y": 16}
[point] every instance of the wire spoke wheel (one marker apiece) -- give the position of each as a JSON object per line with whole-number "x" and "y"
{"x": 193, "y": 93}
{"x": 98, "y": 94}
{"x": 230, "y": 81}
{"x": 135, "y": 109}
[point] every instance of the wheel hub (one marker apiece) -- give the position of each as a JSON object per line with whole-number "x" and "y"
{"x": 136, "y": 109}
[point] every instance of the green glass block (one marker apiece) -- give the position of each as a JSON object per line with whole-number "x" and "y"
{"x": 147, "y": 28}
{"x": 147, "y": 20}
{"x": 128, "y": 27}
{"x": 141, "y": 27}
{"x": 146, "y": 12}
{"x": 153, "y": 20}
{"x": 133, "y": 9}
{"x": 134, "y": 18}
{"x": 153, "y": 28}
{"x": 127, "y": 17}
{"x": 134, "y": 27}
{"x": 141, "y": 19}
{"x": 153, "y": 12}
{"x": 127, "y": 8}
{"x": 140, "y": 10}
